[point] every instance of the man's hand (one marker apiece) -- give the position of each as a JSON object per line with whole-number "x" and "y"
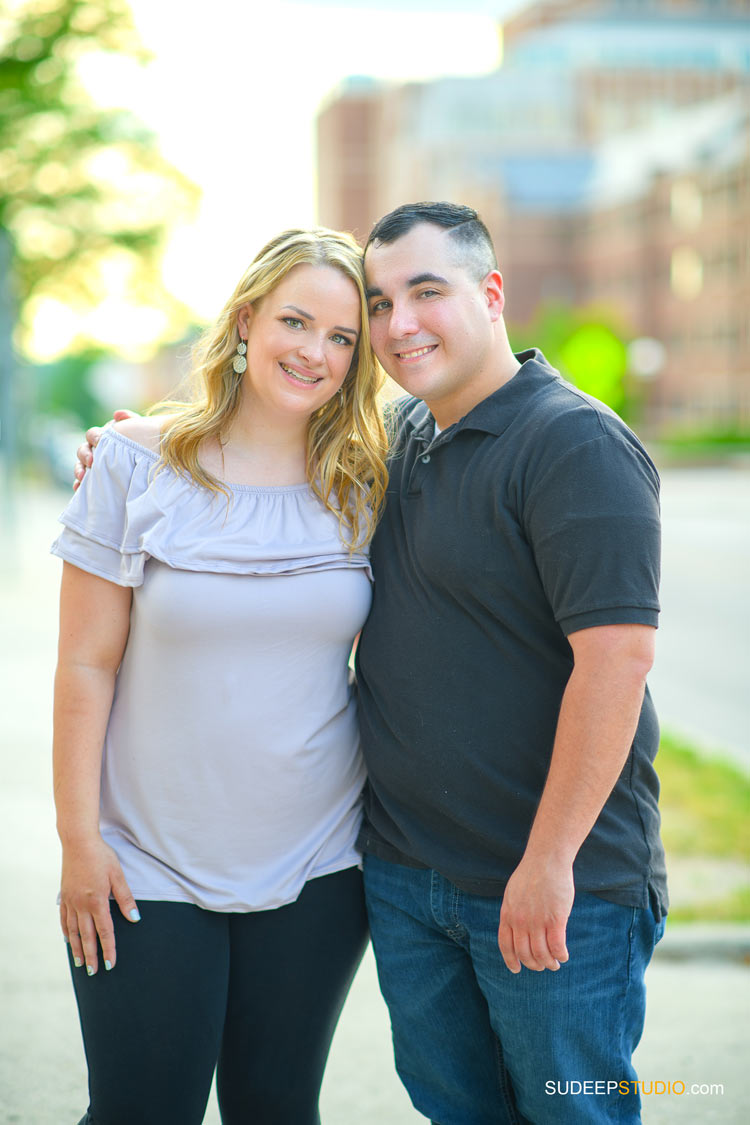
{"x": 595, "y": 729}
{"x": 85, "y": 452}
{"x": 536, "y": 906}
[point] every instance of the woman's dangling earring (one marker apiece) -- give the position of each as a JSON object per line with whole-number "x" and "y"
{"x": 239, "y": 363}
{"x": 341, "y": 397}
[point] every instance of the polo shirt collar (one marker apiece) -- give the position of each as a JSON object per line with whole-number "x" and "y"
{"x": 420, "y": 419}
{"x": 495, "y": 413}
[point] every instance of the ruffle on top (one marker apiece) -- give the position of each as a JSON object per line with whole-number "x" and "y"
{"x": 125, "y": 513}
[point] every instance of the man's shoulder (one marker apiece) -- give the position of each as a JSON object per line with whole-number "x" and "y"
{"x": 556, "y": 424}
{"x": 570, "y": 415}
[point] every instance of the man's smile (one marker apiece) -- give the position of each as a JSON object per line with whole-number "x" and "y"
{"x": 415, "y": 353}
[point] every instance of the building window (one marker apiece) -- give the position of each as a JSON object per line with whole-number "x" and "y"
{"x": 686, "y": 273}
{"x": 686, "y": 204}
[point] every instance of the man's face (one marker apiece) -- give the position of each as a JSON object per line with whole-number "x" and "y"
{"x": 431, "y": 322}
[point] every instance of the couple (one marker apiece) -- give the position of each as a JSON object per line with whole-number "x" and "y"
{"x": 207, "y": 757}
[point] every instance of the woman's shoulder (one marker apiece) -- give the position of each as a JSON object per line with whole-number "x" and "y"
{"x": 145, "y": 431}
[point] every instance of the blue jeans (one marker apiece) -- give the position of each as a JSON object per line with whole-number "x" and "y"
{"x": 476, "y": 1044}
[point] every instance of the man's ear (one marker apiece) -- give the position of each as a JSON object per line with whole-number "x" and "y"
{"x": 493, "y": 290}
{"x": 244, "y": 316}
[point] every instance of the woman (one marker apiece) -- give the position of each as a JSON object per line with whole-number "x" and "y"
{"x": 207, "y": 771}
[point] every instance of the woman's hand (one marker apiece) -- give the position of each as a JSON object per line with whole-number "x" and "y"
{"x": 85, "y": 451}
{"x": 91, "y": 872}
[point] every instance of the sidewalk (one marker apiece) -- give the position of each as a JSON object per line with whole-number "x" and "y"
{"x": 699, "y": 984}
{"x": 696, "y": 1033}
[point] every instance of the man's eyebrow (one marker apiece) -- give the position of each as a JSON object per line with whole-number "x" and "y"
{"x": 374, "y": 291}
{"x": 422, "y": 277}
{"x": 309, "y": 316}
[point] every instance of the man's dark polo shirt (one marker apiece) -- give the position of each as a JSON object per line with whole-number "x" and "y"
{"x": 534, "y": 516}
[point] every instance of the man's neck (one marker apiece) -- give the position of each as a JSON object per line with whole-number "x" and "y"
{"x": 453, "y": 407}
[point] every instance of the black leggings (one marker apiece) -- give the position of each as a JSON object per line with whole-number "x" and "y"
{"x": 256, "y": 996}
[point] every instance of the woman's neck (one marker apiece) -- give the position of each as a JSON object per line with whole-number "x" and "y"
{"x": 259, "y": 449}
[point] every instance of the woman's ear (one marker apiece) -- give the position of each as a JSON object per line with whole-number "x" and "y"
{"x": 244, "y": 315}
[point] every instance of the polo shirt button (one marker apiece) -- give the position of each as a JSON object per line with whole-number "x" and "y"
{"x": 425, "y": 459}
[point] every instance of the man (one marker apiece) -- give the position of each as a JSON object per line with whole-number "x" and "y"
{"x": 513, "y": 868}
{"x": 506, "y": 728}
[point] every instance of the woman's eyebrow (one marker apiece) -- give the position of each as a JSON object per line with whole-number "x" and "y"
{"x": 309, "y": 316}
{"x": 297, "y": 309}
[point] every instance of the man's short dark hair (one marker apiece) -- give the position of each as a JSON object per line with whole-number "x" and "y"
{"x": 475, "y": 251}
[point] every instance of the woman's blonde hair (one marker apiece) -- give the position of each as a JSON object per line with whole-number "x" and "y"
{"x": 346, "y": 441}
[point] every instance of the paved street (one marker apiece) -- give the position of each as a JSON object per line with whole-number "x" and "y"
{"x": 700, "y": 679}
{"x": 699, "y": 987}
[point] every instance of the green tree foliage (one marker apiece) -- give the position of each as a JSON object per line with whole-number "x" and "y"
{"x": 65, "y": 388}
{"x": 587, "y": 348}
{"x": 78, "y": 184}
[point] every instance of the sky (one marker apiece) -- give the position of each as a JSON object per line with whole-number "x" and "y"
{"x": 233, "y": 103}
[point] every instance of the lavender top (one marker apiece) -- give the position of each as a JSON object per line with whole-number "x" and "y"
{"x": 231, "y": 769}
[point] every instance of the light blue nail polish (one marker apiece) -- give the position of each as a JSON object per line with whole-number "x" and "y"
{"x": 90, "y": 970}
{"x": 108, "y": 965}
{"x": 77, "y": 962}
{"x": 134, "y": 915}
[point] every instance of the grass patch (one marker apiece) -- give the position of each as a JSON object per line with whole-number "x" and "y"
{"x": 734, "y": 907}
{"x": 704, "y": 803}
{"x": 700, "y": 446}
{"x": 727, "y": 436}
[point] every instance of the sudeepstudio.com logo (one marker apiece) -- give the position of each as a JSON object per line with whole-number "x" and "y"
{"x": 603, "y": 1087}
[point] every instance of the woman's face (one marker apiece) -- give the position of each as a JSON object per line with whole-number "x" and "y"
{"x": 301, "y": 339}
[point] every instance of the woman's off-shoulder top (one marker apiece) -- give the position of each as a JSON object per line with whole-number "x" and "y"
{"x": 231, "y": 771}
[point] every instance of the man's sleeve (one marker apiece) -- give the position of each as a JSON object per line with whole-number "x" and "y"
{"x": 593, "y": 523}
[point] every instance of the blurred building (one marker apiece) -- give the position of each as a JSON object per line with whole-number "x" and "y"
{"x": 665, "y": 239}
{"x": 610, "y": 157}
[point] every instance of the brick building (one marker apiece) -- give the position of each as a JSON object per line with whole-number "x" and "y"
{"x": 609, "y": 157}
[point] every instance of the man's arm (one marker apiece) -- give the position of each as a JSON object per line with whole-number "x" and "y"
{"x": 598, "y": 718}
